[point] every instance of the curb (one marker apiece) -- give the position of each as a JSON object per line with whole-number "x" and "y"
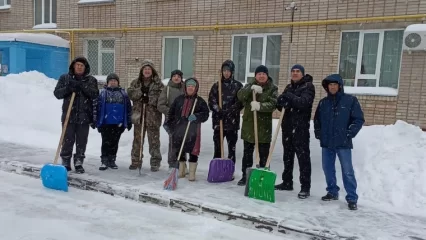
{"x": 260, "y": 223}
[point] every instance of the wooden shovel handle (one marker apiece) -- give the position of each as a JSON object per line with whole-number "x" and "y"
{"x": 277, "y": 130}
{"x": 142, "y": 130}
{"x": 222, "y": 154}
{"x": 186, "y": 131}
{"x": 64, "y": 128}
{"x": 256, "y": 138}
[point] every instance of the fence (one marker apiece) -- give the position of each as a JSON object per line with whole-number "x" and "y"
{"x": 200, "y": 50}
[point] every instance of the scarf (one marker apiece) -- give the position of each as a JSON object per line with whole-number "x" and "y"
{"x": 186, "y": 111}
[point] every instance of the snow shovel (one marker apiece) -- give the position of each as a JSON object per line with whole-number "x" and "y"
{"x": 221, "y": 169}
{"x": 172, "y": 181}
{"x": 262, "y": 181}
{"x": 55, "y": 176}
{"x": 142, "y": 137}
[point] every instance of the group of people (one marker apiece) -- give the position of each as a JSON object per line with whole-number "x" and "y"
{"x": 338, "y": 118}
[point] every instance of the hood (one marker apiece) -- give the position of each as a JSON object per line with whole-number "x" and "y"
{"x": 231, "y": 65}
{"x": 145, "y": 63}
{"x": 82, "y": 60}
{"x": 196, "y": 88}
{"x": 336, "y": 78}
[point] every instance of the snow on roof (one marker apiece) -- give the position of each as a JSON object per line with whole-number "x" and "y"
{"x": 38, "y": 38}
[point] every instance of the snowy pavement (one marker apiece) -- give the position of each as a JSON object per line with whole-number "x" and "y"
{"x": 27, "y": 211}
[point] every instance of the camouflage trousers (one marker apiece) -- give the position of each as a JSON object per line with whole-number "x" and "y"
{"x": 153, "y": 144}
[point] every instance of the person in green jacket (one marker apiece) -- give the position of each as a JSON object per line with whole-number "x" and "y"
{"x": 174, "y": 89}
{"x": 264, "y": 105}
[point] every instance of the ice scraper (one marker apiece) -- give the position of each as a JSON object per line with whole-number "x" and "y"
{"x": 55, "y": 176}
{"x": 221, "y": 169}
{"x": 172, "y": 181}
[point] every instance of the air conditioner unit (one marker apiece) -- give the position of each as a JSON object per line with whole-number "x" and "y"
{"x": 415, "y": 38}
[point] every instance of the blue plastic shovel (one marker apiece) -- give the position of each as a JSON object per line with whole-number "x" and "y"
{"x": 55, "y": 176}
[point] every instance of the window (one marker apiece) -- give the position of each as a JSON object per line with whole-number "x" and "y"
{"x": 178, "y": 53}
{"x": 44, "y": 12}
{"x": 371, "y": 59}
{"x": 101, "y": 56}
{"x": 4, "y": 4}
{"x": 250, "y": 51}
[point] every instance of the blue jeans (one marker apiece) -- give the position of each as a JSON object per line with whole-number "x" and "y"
{"x": 348, "y": 174}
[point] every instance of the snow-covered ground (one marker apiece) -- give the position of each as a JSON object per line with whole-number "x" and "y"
{"x": 389, "y": 161}
{"x": 28, "y": 212}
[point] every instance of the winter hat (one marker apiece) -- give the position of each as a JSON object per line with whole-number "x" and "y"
{"x": 263, "y": 69}
{"x": 300, "y": 67}
{"x": 190, "y": 82}
{"x": 228, "y": 65}
{"x": 113, "y": 76}
{"x": 178, "y": 72}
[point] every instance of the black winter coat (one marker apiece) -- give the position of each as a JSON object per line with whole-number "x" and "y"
{"x": 82, "y": 109}
{"x": 231, "y": 106}
{"x": 297, "y": 100}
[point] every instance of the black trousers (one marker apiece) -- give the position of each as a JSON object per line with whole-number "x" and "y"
{"x": 78, "y": 134}
{"x": 231, "y": 138}
{"x": 297, "y": 144}
{"x": 248, "y": 155}
{"x": 110, "y": 138}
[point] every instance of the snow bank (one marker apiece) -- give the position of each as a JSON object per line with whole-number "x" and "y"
{"x": 390, "y": 164}
{"x": 38, "y": 38}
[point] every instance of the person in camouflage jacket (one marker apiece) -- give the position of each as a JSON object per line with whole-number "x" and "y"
{"x": 145, "y": 90}
{"x": 85, "y": 87}
{"x": 174, "y": 88}
{"x": 265, "y": 105}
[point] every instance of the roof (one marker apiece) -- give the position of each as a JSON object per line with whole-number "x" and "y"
{"x": 37, "y": 38}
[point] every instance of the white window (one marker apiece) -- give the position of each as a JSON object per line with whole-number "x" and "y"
{"x": 370, "y": 61}
{"x": 101, "y": 56}
{"x": 178, "y": 53}
{"x": 250, "y": 51}
{"x": 4, "y": 4}
{"x": 44, "y": 12}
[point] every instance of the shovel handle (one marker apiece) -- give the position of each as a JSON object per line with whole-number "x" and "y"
{"x": 186, "y": 131}
{"x": 222, "y": 154}
{"x": 64, "y": 128}
{"x": 277, "y": 130}
{"x": 142, "y": 131}
{"x": 256, "y": 138}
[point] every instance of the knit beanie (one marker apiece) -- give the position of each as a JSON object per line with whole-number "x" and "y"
{"x": 113, "y": 76}
{"x": 178, "y": 72}
{"x": 300, "y": 67}
{"x": 263, "y": 69}
{"x": 190, "y": 82}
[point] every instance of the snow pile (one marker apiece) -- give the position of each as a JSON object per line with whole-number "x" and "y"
{"x": 30, "y": 114}
{"x": 390, "y": 166}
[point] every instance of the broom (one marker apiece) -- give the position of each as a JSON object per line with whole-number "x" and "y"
{"x": 172, "y": 181}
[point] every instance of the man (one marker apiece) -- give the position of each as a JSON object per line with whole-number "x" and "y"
{"x": 230, "y": 111}
{"x": 297, "y": 100}
{"x": 113, "y": 115}
{"x": 85, "y": 87}
{"x": 264, "y": 104}
{"x": 338, "y": 119}
{"x": 174, "y": 88}
{"x": 144, "y": 91}
{"x": 179, "y": 115}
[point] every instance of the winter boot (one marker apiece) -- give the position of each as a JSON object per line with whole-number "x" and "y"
{"x": 104, "y": 163}
{"x": 78, "y": 164}
{"x": 111, "y": 162}
{"x": 243, "y": 181}
{"x": 284, "y": 186}
{"x": 304, "y": 193}
{"x": 329, "y": 197}
{"x": 135, "y": 165}
{"x": 352, "y": 206}
{"x": 79, "y": 169}
{"x": 192, "y": 170}
{"x": 182, "y": 169}
{"x": 66, "y": 162}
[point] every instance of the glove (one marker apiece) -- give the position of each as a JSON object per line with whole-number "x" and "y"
{"x": 257, "y": 88}
{"x": 100, "y": 129}
{"x": 145, "y": 91}
{"x": 317, "y": 134}
{"x": 255, "y": 106}
{"x": 284, "y": 101}
{"x": 220, "y": 114}
{"x": 129, "y": 127}
{"x": 92, "y": 125}
{"x": 74, "y": 85}
{"x": 192, "y": 118}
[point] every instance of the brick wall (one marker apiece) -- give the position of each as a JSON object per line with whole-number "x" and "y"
{"x": 315, "y": 47}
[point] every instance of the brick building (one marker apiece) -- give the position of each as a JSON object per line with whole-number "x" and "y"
{"x": 368, "y": 54}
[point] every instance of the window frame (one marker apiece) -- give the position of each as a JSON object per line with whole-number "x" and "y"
{"x": 43, "y": 8}
{"x": 248, "y": 50}
{"x": 376, "y": 90}
{"x": 6, "y": 5}
{"x": 163, "y": 52}
{"x": 100, "y": 51}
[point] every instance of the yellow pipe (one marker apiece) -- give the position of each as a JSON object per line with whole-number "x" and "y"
{"x": 233, "y": 26}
